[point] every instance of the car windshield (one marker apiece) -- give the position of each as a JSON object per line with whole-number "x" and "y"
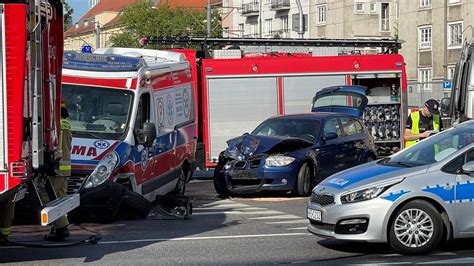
{"x": 97, "y": 112}
{"x": 434, "y": 149}
{"x": 297, "y": 128}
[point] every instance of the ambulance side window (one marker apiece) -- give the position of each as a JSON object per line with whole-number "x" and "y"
{"x": 143, "y": 112}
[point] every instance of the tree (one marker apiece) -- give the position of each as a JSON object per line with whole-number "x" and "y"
{"x": 143, "y": 18}
{"x": 67, "y": 18}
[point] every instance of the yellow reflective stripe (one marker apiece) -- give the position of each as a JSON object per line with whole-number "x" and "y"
{"x": 415, "y": 127}
{"x": 65, "y": 124}
{"x": 5, "y": 231}
{"x": 64, "y": 167}
{"x": 436, "y": 122}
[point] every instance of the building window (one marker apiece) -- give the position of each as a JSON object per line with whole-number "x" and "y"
{"x": 384, "y": 17}
{"x": 425, "y": 37}
{"x": 425, "y": 3}
{"x": 359, "y": 7}
{"x": 373, "y": 7}
{"x": 284, "y": 24}
{"x": 241, "y": 30}
{"x": 455, "y": 34}
{"x": 397, "y": 10}
{"x": 268, "y": 26}
{"x": 424, "y": 78}
{"x": 451, "y": 72}
{"x": 454, "y": 2}
{"x": 253, "y": 29}
{"x": 321, "y": 11}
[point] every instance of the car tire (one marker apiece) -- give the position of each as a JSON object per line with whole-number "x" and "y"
{"x": 181, "y": 185}
{"x": 303, "y": 181}
{"x": 220, "y": 182}
{"x": 134, "y": 206}
{"x": 411, "y": 237}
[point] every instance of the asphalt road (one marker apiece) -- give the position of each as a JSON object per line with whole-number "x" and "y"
{"x": 269, "y": 229}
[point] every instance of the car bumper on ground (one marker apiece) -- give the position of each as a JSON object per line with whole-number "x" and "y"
{"x": 362, "y": 221}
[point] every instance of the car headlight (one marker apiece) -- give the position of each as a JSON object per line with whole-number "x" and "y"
{"x": 278, "y": 160}
{"x": 103, "y": 170}
{"x": 368, "y": 193}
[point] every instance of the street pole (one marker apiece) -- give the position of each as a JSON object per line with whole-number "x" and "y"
{"x": 209, "y": 18}
{"x": 301, "y": 23}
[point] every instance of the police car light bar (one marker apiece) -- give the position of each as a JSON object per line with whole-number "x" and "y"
{"x": 101, "y": 62}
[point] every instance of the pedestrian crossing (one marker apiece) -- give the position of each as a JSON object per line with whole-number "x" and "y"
{"x": 264, "y": 215}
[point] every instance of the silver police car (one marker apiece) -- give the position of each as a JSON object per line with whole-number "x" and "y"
{"x": 413, "y": 199}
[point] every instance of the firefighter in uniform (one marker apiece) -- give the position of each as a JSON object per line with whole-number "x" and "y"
{"x": 59, "y": 231}
{"x": 422, "y": 123}
{"x": 7, "y": 210}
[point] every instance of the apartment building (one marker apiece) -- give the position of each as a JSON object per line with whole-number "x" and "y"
{"x": 92, "y": 3}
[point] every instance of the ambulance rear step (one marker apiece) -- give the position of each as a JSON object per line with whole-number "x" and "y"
{"x": 59, "y": 207}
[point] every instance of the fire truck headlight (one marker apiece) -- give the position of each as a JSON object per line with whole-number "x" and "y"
{"x": 103, "y": 170}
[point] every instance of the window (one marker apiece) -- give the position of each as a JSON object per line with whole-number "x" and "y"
{"x": 373, "y": 7}
{"x": 359, "y": 127}
{"x": 332, "y": 126}
{"x": 226, "y": 32}
{"x": 454, "y": 2}
{"x": 359, "y": 7}
{"x": 143, "y": 112}
{"x": 253, "y": 29}
{"x": 268, "y": 26}
{"x": 384, "y": 17}
{"x": 425, "y": 3}
{"x": 425, "y": 37}
{"x": 451, "y": 72}
{"x": 455, "y": 34}
{"x": 321, "y": 11}
{"x": 241, "y": 29}
{"x": 424, "y": 78}
{"x": 397, "y": 10}
{"x": 348, "y": 126}
{"x": 284, "y": 24}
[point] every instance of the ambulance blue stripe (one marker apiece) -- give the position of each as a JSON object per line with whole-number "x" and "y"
{"x": 88, "y": 162}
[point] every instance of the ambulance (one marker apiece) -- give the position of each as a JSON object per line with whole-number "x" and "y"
{"x": 132, "y": 116}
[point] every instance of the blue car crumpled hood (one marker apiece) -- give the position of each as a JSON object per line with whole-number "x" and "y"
{"x": 370, "y": 173}
{"x": 248, "y": 145}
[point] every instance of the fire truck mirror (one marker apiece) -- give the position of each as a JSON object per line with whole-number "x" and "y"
{"x": 445, "y": 106}
{"x": 147, "y": 134}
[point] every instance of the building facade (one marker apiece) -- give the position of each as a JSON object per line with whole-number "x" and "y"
{"x": 92, "y": 3}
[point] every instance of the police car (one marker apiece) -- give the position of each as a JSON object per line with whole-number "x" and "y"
{"x": 413, "y": 199}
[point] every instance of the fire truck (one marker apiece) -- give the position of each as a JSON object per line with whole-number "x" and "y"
{"x": 31, "y": 44}
{"x": 239, "y": 88}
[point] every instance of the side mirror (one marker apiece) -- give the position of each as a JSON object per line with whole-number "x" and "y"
{"x": 330, "y": 136}
{"x": 445, "y": 102}
{"x": 468, "y": 168}
{"x": 147, "y": 134}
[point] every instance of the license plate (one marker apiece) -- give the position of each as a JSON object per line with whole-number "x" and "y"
{"x": 20, "y": 194}
{"x": 245, "y": 175}
{"x": 314, "y": 215}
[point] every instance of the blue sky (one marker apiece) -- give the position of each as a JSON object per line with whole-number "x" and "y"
{"x": 80, "y": 8}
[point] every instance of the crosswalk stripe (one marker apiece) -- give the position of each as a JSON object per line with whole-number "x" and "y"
{"x": 298, "y": 228}
{"x": 234, "y": 209}
{"x": 288, "y": 216}
{"x": 302, "y": 221}
{"x": 225, "y": 206}
{"x": 237, "y": 212}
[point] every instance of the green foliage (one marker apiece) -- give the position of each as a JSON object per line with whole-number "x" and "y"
{"x": 67, "y": 17}
{"x": 144, "y": 19}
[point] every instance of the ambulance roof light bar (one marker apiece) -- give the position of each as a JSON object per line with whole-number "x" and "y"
{"x": 136, "y": 52}
{"x": 390, "y": 45}
{"x": 100, "y": 62}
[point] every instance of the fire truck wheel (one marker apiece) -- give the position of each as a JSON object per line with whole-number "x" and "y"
{"x": 303, "y": 183}
{"x": 134, "y": 206}
{"x": 220, "y": 182}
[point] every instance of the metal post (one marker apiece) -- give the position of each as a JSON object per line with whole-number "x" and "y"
{"x": 301, "y": 23}
{"x": 209, "y": 18}
{"x": 260, "y": 18}
{"x": 97, "y": 35}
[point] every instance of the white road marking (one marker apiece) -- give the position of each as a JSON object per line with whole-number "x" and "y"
{"x": 467, "y": 260}
{"x": 298, "y": 228}
{"x": 288, "y": 216}
{"x": 225, "y": 206}
{"x": 302, "y": 221}
{"x": 203, "y": 238}
{"x": 235, "y": 209}
{"x": 237, "y": 212}
{"x": 221, "y": 202}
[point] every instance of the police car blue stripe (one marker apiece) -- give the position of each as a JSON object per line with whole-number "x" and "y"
{"x": 395, "y": 196}
{"x": 358, "y": 175}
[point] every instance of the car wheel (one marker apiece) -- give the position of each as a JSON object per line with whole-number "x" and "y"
{"x": 220, "y": 182}
{"x": 303, "y": 183}
{"x": 134, "y": 206}
{"x": 181, "y": 185}
{"x": 416, "y": 229}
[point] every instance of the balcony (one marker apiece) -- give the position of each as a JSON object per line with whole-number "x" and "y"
{"x": 278, "y": 5}
{"x": 250, "y": 9}
{"x": 280, "y": 34}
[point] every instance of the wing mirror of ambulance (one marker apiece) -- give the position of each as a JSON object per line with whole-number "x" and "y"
{"x": 147, "y": 134}
{"x": 468, "y": 168}
{"x": 445, "y": 102}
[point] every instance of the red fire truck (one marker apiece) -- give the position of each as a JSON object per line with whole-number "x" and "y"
{"x": 31, "y": 44}
{"x": 239, "y": 89}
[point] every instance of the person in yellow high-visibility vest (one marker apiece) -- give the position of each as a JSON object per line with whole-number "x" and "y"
{"x": 423, "y": 123}
{"x": 59, "y": 231}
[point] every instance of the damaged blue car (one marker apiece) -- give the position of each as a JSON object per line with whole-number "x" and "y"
{"x": 293, "y": 153}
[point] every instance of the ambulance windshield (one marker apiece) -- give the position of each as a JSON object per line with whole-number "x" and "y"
{"x": 97, "y": 112}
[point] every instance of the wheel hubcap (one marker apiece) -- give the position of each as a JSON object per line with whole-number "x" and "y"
{"x": 413, "y": 228}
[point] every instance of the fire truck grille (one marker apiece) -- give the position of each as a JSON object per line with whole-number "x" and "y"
{"x": 74, "y": 184}
{"x": 322, "y": 199}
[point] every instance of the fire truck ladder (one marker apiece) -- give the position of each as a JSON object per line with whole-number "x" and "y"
{"x": 388, "y": 45}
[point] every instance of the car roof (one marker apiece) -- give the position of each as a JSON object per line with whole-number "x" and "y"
{"x": 312, "y": 115}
